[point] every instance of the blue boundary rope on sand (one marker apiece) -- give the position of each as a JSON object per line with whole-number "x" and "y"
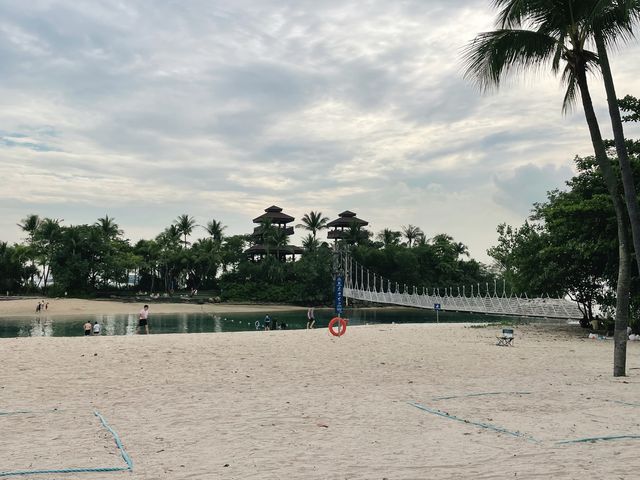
{"x": 480, "y": 395}
{"x": 123, "y": 452}
{"x": 488, "y": 426}
{"x": 595, "y": 439}
{"x": 630, "y": 404}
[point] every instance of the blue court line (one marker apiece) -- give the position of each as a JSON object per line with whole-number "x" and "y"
{"x": 626, "y": 403}
{"x": 488, "y": 426}
{"x": 480, "y": 395}
{"x": 123, "y": 452}
{"x": 594, "y": 439}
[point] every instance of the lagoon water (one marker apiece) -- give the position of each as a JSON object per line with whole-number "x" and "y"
{"x": 71, "y": 326}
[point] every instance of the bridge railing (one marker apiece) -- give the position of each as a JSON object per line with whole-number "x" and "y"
{"x": 517, "y": 306}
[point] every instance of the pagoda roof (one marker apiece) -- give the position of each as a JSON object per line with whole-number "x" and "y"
{"x": 274, "y": 213}
{"x": 346, "y": 219}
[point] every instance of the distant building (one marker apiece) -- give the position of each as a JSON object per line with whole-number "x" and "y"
{"x": 338, "y": 228}
{"x": 271, "y": 235}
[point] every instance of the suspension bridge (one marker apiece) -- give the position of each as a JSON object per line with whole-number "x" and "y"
{"x": 361, "y": 284}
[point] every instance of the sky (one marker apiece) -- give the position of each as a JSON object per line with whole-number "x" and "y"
{"x": 145, "y": 110}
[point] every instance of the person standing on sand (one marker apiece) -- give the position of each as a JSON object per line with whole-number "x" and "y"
{"x": 87, "y": 328}
{"x": 311, "y": 318}
{"x": 267, "y": 323}
{"x": 143, "y": 319}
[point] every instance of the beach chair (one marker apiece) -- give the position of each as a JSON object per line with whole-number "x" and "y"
{"x": 506, "y": 339}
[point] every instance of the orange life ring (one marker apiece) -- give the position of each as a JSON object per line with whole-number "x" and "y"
{"x": 342, "y": 328}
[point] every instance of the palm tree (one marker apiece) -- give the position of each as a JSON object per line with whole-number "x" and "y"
{"x": 280, "y": 239}
{"x": 48, "y": 235}
{"x": 610, "y": 20}
{"x": 30, "y": 224}
{"x": 389, "y": 237}
{"x": 356, "y": 235}
{"x": 215, "y": 229}
{"x": 411, "y": 233}
{"x": 555, "y": 33}
{"x": 108, "y": 227}
{"x": 313, "y": 222}
{"x": 606, "y": 21}
{"x": 310, "y": 243}
{"x": 185, "y": 225}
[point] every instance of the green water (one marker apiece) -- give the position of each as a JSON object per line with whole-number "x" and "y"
{"x": 62, "y": 326}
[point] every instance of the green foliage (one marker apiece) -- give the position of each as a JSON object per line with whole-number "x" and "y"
{"x": 14, "y": 271}
{"x": 434, "y": 264}
{"x": 632, "y": 106}
{"x": 569, "y": 246}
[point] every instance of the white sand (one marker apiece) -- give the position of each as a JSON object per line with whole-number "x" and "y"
{"x": 304, "y": 405}
{"x": 72, "y": 306}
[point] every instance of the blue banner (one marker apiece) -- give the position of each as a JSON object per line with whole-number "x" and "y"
{"x": 338, "y": 294}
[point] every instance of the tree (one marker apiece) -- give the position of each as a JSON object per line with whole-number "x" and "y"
{"x": 215, "y": 228}
{"x": 411, "y": 233}
{"x": 313, "y": 222}
{"x": 632, "y": 105}
{"x": 109, "y": 227}
{"x": 185, "y": 225}
{"x": 12, "y": 270}
{"x": 30, "y": 224}
{"x": 555, "y": 32}
{"x": 389, "y": 237}
{"x": 47, "y": 238}
{"x": 356, "y": 235}
{"x": 310, "y": 243}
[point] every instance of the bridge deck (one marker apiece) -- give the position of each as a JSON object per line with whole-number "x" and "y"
{"x": 514, "y": 306}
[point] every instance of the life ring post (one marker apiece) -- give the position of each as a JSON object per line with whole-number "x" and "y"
{"x": 341, "y": 326}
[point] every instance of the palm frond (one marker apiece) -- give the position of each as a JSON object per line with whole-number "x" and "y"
{"x": 492, "y": 55}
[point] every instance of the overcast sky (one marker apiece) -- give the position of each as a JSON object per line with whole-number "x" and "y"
{"x": 145, "y": 110}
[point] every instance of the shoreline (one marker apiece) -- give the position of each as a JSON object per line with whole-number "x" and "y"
{"x": 25, "y": 307}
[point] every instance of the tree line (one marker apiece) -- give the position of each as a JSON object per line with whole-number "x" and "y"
{"x": 96, "y": 259}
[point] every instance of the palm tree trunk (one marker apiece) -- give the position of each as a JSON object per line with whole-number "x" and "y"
{"x": 624, "y": 280}
{"x": 630, "y": 195}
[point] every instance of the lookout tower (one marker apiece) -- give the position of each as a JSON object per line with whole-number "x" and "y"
{"x": 271, "y": 235}
{"x": 340, "y": 226}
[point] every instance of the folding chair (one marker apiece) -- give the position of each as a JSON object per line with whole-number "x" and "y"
{"x": 506, "y": 339}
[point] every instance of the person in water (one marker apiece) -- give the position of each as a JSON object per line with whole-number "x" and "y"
{"x": 143, "y": 319}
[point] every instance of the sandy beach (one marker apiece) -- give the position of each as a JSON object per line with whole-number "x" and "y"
{"x": 74, "y": 306}
{"x": 302, "y": 404}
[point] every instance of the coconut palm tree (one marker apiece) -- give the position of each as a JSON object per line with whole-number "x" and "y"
{"x": 30, "y": 224}
{"x": 389, "y": 237}
{"x": 310, "y": 243}
{"x": 606, "y": 22}
{"x": 47, "y": 236}
{"x": 215, "y": 229}
{"x": 411, "y": 233}
{"x": 313, "y": 222}
{"x": 537, "y": 32}
{"x": 610, "y": 21}
{"x": 108, "y": 227}
{"x": 185, "y": 225}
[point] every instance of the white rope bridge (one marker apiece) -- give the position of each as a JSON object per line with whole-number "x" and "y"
{"x": 361, "y": 284}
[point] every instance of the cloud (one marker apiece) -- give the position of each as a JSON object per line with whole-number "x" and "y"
{"x": 520, "y": 188}
{"x": 148, "y": 110}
